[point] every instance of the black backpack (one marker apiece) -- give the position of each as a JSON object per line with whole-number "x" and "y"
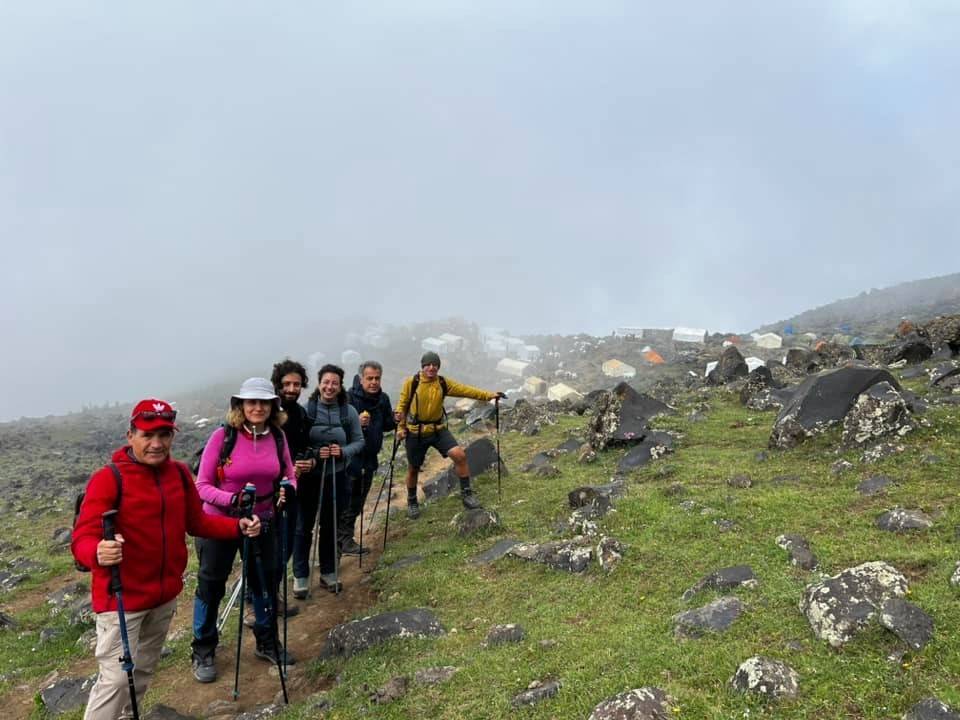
{"x": 413, "y": 394}
{"x": 116, "y": 504}
{"x": 344, "y": 420}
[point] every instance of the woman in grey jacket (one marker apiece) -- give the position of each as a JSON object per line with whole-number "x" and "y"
{"x": 335, "y": 437}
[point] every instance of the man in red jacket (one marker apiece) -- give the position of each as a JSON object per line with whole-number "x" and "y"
{"x": 157, "y": 505}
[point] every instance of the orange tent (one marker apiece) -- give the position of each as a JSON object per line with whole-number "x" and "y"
{"x": 652, "y": 356}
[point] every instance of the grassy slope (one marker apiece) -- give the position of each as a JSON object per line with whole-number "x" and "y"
{"x": 614, "y": 632}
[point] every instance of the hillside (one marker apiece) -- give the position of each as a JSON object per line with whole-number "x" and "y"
{"x": 872, "y": 313}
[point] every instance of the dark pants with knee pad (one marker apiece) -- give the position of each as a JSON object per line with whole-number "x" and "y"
{"x": 361, "y": 480}
{"x": 309, "y": 501}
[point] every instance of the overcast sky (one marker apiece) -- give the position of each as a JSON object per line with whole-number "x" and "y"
{"x": 183, "y": 184}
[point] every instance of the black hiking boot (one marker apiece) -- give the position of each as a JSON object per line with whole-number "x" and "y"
{"x": 413, "y": 510}
{"x": 204, "y": 668}
{"x": 267, "y": 650}
{"x": 470, "y": 501}
{"x": 350, "y": 547}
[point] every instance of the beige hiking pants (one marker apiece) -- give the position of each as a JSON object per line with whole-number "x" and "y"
{"x": 146, "y": 630}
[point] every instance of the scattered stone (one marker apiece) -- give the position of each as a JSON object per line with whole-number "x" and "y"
{"x": 537, "y": 691}
{"x": 912, "y": 373}
{"x": 349, "y": 638}
{"x": 570, "y": 445}
{"x": 841, "y": 466}
{"x": 714, "y": 617}
{"x": 955, "y": 578}
{"x": 502, "y": 634}
{"x": 163, "y": 712}
{"x": 761, "y": 456}
{"x": 590, "y": 496}
{"x": 800, "y": 554}
{"x": 406, "y": 562}
{"x": 547, "y": 471}
{"x": 907, "y": 621}
{"x": 261, "y": 712}
{"x": 841, "y": 605}
{"x": 655, "y": 445}
{"x": 434, "y": 675}
{"x": 931, "y": 459}
{"x": 66, "y": 695}
{"x": 724, "y": 579}
{"x": 740, "y": 481}
{"x": 689, "y": 505}
{"x": 730, "y": 366}
{"x": 787, "y": 479}
{"x": 317, "y": 704}
{"x": 931, "y": 709}
{"x": 481, "y": 456}
{"x": 539, "y": 460}
{"x": 881, "y": 451}
{"x": 724, "y": 525}
{"x": 900, "y": 520}
{"x": 874, "y": 485}
{"x": 65, "y": 596}
{"x": 497, "y": 551}
{"x": 48, "y": 634}
{"x": 945, "y": 376}
{"x": 764, "y": 676}
{"x": 823, "y": 400}
{"x": 62, "y": 536}
{"x": 568, "y": 555}
{"x": 674, "y": 489}
{"x": 609, "y": 553}
{"x": 469, "y": 522}
{"x": 646, "y": 703}
{"x": 395, "y": 689}
{"x": 7, "y": 622}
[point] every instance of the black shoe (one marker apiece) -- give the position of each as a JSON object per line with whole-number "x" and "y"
{"x": 413, "y": 510}
{"x": 350, "y": 547}
{"x": 268, "y": 651}
{"x": 470, "y": 501}
{"x": 291, "y": 610}
{"x": 329, "y": 582}
{"x": 204, "y": 669}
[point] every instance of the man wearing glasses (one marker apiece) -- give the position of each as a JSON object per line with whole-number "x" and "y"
{"x": 157, "y": 505}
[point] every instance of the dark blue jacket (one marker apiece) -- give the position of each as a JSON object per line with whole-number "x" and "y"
{"x": 381, "y": 419}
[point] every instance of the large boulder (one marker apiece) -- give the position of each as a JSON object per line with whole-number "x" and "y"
{"x": 802, "y": 361}
{"x": 944, "y": 332}
{"x": 730, "y": 366}
{"x": 762, "y": 391}
{"x": 655, "y": 445}
{"x": 841, "y": 605}
{"x": 878, "y": 412}
{"x": 352, "y": 637}
{"x": 646, "y": 703}
{"x": 907, "y": 621}
{"x": 481, "y": 456}
{"x": 823, "y": 400}
{"x": 913, "y": 349}
{"x": 621, "y": 417}
{"x": 931, "y": 709}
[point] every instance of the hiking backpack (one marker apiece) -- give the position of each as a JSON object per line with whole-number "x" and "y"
{"x": 116, "y": 504}
{"x": 413, "y": 394}
{"x": 230, "y": 442}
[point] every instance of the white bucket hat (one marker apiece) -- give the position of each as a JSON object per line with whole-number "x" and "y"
{"x": 256, "y": 388}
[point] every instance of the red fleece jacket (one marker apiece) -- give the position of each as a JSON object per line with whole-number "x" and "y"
{"x": 155, "y": 514}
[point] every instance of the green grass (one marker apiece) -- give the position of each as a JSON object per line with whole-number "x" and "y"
{"x": 614, "y": 632}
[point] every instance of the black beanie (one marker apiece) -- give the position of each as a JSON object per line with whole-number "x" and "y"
{"x": 430, "y": 358}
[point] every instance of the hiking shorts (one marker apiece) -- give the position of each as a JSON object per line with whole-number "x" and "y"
{"x": 417, "y": 445}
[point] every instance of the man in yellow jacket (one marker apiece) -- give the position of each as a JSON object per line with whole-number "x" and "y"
{"x": 422, "y": 424}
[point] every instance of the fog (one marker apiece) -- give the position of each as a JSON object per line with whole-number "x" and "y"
{"x": 188, "y": 189}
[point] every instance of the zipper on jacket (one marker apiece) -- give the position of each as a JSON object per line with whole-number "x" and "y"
{"x": 163, "y": 533}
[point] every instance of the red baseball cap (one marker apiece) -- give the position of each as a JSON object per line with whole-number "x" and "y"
{"x": 153, "y": 414}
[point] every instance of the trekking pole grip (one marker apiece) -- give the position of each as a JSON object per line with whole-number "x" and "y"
{"x": 109, "y": 519}
{"x": 247, "y": 499}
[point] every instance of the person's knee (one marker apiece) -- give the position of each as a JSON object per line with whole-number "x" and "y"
{"x": 457, "y": 455}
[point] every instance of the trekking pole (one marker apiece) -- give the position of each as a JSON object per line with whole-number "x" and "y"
{"x": 266, "y": 600}
{"x": 288, "y": 486}
{"x": 376, "y": 503}
{"x": 246, "y": 510}
{"x": 496, "y": 404}
{"x": 315, "y": 545}
{"x": 336, "y": 540}
{"x": 386, "y": 522}
{"x": 234, "y": 592}
{"x": 126, "y": 660}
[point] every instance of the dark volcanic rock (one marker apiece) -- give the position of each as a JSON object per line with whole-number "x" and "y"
{"x": 654, "y": 445}
{"x": 622, "y": 416}
{"x": 569, "y": 555}
{"x": 799, "y": 549}
{"x": 473, "y": 521}
{"x": 162, "y": 712}
{"x": 724, "y": 579}
{"x": 766, "y": 677}
{"x": 823, "y": 400}
{"x": 357, "y": 635}
{"x": 510, "y": 633}
{"x": 538, "y": 691}
{"x": 730, "y": 366}
{"x": 913, "y": 348}
{"x": 874, "y": 485}
{"x": 646, "y": 703}
{"x": 481, "y": 456}
{"x": 878, "y": 412}
{"x": 802, "y": 361}
{"x": 841, "y": 605}
{"x": 900, "y": 519}
{"x": 907, "y": 621}
{"x": 499, "y": 549}
{"x": 931, "y": 709}
{"x": 66, "y": 695}
{"x": 434, "y": 675}
{"x": 393, "y": 690}
{"x": 715, "y": 617}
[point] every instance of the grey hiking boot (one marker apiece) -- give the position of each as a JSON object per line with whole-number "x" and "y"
{"x": 301, "y": 586}
{"x": 267, "y": 650}
{"x": 204, "y": 669}
{"x": 413, "y": 510}
{"x": 350, "y": 547}
{"x": 470, "y": 501}
{"x": 330, "y": 582}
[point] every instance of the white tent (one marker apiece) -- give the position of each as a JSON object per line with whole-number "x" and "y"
{"x": 432, "y": 344}
{"x": 770, "y": 341}
{"x": 618, "y": 369}
{"x": 513, "y": 368}
{"x": 561, "y": 391}
{"x": 689, "y": 335}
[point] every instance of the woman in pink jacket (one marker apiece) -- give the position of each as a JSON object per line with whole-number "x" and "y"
{"x": 249, "y": 449}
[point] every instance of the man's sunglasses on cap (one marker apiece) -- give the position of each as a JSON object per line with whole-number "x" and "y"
{"x": 148, "y": 415}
